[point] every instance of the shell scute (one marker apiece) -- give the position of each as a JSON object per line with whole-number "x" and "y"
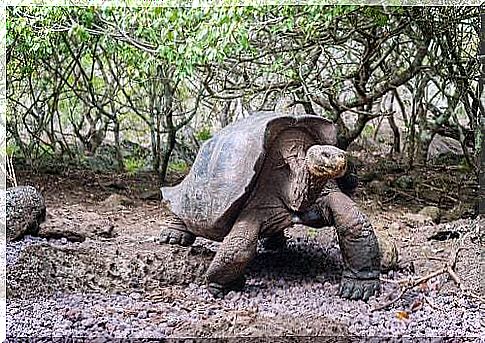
{"x": 227, "y": 166}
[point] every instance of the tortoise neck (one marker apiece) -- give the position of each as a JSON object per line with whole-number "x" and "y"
{"x": 304, "y": 187}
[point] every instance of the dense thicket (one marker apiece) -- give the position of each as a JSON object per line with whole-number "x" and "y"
{"x": 165, "y": 78}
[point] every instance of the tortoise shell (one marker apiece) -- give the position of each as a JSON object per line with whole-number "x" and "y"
{"x": 227, "y": 167}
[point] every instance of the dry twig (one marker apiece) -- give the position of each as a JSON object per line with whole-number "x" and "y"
{"x": 412, "y": 196}
{"x": 448, "y": 268}
{"x": 441, "y": 191}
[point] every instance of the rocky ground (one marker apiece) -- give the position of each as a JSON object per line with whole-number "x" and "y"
{"x": 97, "y": 271}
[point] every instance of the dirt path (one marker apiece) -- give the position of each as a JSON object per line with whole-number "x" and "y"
{"x": 119, "y": 282}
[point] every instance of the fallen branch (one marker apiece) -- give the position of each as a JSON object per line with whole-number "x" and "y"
{"x": 426, "y": 257}
{"x": 437, "y": 166}
{"x": 448, "y": 268}
{"x": 412, "y": 196}
{"x": 441, "y": 191}
{"x": 408, "y": 285}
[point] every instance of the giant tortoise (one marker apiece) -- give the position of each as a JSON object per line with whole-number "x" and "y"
{"x": 260, "y": 175}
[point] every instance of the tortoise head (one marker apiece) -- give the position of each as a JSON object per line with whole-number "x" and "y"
{"x": 326, "y": 161}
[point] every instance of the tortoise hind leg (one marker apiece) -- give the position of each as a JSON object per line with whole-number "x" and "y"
{"x": 238, "y": 248}
{"x": 174, "y": 231}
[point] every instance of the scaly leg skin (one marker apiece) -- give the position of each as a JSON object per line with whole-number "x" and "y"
{"x": 358, "y": 245}
{"x": 174, "y": 231}
{"x": 238, "y": 248}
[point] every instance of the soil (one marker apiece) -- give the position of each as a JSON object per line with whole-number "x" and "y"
{"x": 103, "y": 274}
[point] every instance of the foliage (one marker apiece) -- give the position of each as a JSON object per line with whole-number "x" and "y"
{"x": 368, "y": 131}
{"x": 133, "y": 165}
{"x": 203, "y": 134}
{"x": 78, "y": 76}
{"x": 312, "y": 233}
{"x": 179, "y": 167}
{"x": 12, "y": 149}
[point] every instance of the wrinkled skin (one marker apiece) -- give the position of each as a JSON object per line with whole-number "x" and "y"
{"x": 358, "y": 242}
{"x": 298, "y": 182}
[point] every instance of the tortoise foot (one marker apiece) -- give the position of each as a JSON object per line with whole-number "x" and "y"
{"x": 358, "y": 289}
{"x": 175, "y": 236}
{"x": 219, "y": 291}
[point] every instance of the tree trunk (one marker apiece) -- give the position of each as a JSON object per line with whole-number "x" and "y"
{"x": 119, "y": 154}
{"x": 167, "y": 152}
{"x": 396, "y": 145}
{"x": 168, "y": 93}
{"x": 424, "y": 137}
{"x": 345, "y": 136}
{"x": 155, "y": 153}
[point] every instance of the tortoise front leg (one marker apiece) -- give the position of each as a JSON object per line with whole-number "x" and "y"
{"x": 238, "y": 248}
{"x": 358, "y": 245}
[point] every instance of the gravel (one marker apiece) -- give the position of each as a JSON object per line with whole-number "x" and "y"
{"x": 286, "y": 292}
{"x": 14, "y": 249}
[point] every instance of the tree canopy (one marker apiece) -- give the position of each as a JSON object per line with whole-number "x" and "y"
{"x": 167, "y": 77}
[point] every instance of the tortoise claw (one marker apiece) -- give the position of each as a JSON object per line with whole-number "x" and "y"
{"x": 219, "y": 290}
{"x": 358, "y": 289}
{"x": 345, "y": 289}
{"x": 216, "y": 290}
{"x": 174, "y": 236}
{"x": 368, "y": 292}
{"x": 357, "y": 294}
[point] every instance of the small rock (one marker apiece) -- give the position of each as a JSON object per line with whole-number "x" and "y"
{"x": 88, "y": 322}
{"x": 24, "y": 210}
{"x": 99, "y": 340}
{"x": 444, "y": 150}
{"x": 116, "y": 200}
{"x": 416, "y": 219}
{"x": 171, "y": 322}
{"x": 232, "y": 296}
{"x": 444, "y": 235}
{"x": 388, "y": 251}
{"x": 432, "y": 212}
{"x": 103, "y": 229}
{"x": 395, "y": 226}
{"x": 404, "y": 182}
{"x": 320, "y": 278}
{"x": 55, "y": 231}
{"x": 74, "y": 314}
{"x": 135, "y": 295}
{"x": 378, "y": 187}
{"x": 142, "y": 315}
